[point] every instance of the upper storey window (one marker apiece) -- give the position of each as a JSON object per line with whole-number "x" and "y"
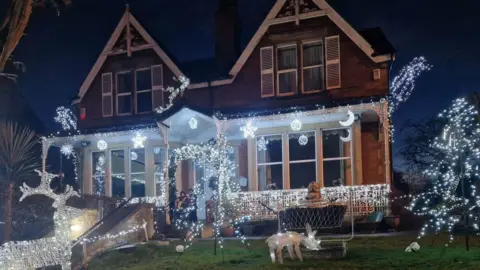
{"x": 136, "y": 91}
{"x": 307, "y": 67}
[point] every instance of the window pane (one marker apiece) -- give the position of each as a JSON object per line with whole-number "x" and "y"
{"x": 298, "y": 149}
{"x": 144, "y": 79}
{"x": 287, "y": 58}
{"x": 107, "y": 105}
{"x": 137, "y": 166}
{"x": 270, "y": 177}
{"x": 313, "y": 79}
{"x": 312, "y": 54}
{"x": 125, "y": 104}
{"x": 118, "y": 173}
{"x": 302, "y": 174}
{"x": 336, "y": 173}
{"x": 269, "y": 149}
{"x": 144, "y": 102}
{"x": 333, "y": 146}
{"x": 287, "y": 82}
{"x": 98, "y": 173}
{"x": 124, "y": 82}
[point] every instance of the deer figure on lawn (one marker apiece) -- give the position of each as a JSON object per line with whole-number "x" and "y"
{"x": 292, "y": 240}
{"x": 45, "y": 251}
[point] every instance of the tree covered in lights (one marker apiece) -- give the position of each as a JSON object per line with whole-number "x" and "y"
{"x": 452, "y": 196}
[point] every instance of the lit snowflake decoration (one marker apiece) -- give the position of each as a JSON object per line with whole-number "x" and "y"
{"x": 303, "y": 140}
{"x": 296, "y": 124}
{"x": 133, "y": 155}
{"x": 156, "y": 150}
{"x": 262, "y": 144}
{"x": 243, "y": 182}
{"x": 66, "y": 118}
{"x": 138, "y": 141}
{"x": 249, "y": 130}
{"x": 66, "y": 149}
{"x": 102, "y": 145}
{"x": 101, "y": 160}
{"x": 193, "y": 123}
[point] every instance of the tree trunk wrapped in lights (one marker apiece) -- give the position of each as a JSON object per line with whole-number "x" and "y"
{"x": 453, "y": 193}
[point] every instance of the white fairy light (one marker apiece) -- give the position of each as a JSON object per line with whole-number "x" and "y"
{"x": 101, "y": 160}
{"x": 460, "y": 147}
{"x": 66, "y": 149}
{"x": 66, "y": 118}
{"x": 249, "y": 130}
{"x": 303, "y": 140}
{"x": 138, "y": 140}
{"x": 157, "y": 150}
{"x": 296, "y": 124}
{"x": 102, "y": 145}
{"x": 174, "y": 92}
{"x": 193, "y": 123}
{"x": 133, "y": 155}
{"x": 262, "y": 144}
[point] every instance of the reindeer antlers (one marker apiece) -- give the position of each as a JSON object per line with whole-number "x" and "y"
{"x": 44, "y": 189}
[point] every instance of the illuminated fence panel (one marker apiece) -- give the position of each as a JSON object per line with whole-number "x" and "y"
{"x": 365, "y": 199}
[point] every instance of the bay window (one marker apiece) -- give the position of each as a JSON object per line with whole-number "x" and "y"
{"x": 336, "y": 158}
{"x": 302, "y": 156}
{"x": 269, "y": 162}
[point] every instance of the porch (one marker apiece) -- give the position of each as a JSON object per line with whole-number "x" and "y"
{"x": 276, "y": 157}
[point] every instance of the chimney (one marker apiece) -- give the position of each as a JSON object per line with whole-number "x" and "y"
{"x": 227, "y": 34}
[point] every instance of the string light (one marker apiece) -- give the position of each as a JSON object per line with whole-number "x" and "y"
{"x": 66, "y": 118}
{"x": 459, "y": 145}
{"x": 174, "y": 92}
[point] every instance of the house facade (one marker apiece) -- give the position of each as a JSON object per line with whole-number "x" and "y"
{"x": 304, "y": 101}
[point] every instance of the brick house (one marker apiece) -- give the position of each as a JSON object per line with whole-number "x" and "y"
{"x": 302, "y": 73}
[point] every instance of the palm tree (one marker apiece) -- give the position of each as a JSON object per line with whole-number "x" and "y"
{"x": 17, "y": 161}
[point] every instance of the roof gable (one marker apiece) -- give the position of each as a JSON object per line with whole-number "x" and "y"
{"x": 284, "y": 11}
{"x": 128, "y": 36}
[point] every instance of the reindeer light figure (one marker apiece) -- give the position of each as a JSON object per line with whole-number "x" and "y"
{"x": 45, "y": 251}
{"x": 292, "y": 240}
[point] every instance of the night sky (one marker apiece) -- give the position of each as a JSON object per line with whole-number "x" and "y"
{"x": 59, "y": 51}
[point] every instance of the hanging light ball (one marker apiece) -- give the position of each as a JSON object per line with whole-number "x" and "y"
{"x": 193, "y": 123}
{"x": 102, "y": 145}
{"x": 156, "y": 150}
{"x": 133, "y": 155}
{"x": 296, "y": 124}
{"x": 303, "y": 140}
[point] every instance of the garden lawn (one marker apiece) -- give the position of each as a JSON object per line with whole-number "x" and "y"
{"x": 363, "y": 253}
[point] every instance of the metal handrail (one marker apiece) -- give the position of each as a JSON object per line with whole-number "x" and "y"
{"x": 100, "y": 222}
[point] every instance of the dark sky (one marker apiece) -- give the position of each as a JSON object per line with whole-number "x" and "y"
{"x": 60, "y": 50}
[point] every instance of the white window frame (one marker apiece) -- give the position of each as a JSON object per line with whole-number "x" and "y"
{"x": 291, "y": 45}
{"x": 268, "y": 163}
{"x": 123, "y": 94}
{"x": 94, "y": 175}
{"x": 156, "y": 87}
{"x": 117, "y": 174}
{"x": 318, "y": 41}
{"x": 144, "y": 166}
{"x": 108, "y": 94}
{"x": 143, "y": 90}
{"x": 350, "y": 157}
{"x": 315, "y": 160}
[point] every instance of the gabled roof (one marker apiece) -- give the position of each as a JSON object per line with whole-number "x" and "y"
{"x": 127, "y": 37}
{"x": 322, "y": 9}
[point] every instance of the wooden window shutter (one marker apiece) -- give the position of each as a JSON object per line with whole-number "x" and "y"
{"x": 332, "y": 61}
{"x": 157, "y": 86}
{"x": 107, "y": 94}
{"x": 266, "y": 69}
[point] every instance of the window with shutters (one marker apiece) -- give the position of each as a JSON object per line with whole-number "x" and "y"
{"x": 332, "y": 62}
{"x": 287, "y": 70}
{"x": 312, "y": 70}
{"x": 107, "y": 99}
{"x": 157, "y": 85}
{"x": 124, "y": 92}
{"x": 143, "y": 90}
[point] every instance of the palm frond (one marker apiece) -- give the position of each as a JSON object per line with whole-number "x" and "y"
{"x": 18, "y": 157}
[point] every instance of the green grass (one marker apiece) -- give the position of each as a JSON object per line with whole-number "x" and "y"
{"x": 363, "y": 253}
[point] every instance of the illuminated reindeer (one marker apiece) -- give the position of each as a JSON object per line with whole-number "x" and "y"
{"x": 291, "y": 240}
{"x": 45, "y": 251}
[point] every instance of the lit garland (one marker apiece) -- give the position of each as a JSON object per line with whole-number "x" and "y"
{"x": 116, "y": 235}
{"x": 45, "y": 251}
{"x": 66, "y": 118}
{"x": 174, "y": 92}
{"x": 444, "y": 202}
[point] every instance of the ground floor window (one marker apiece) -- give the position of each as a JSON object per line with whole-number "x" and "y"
{"x": 302, "y": 156}
{"x": 336, "y": 157}
{"x": 98, "y": 173}
{"x": 269, "y": 162}
{"x": 117, "y": 160}
{"x": 137, "y": 167}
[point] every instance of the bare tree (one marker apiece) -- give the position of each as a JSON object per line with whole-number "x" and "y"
{"x": 13, "y": 26}
{"x": 17, "y": 161}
